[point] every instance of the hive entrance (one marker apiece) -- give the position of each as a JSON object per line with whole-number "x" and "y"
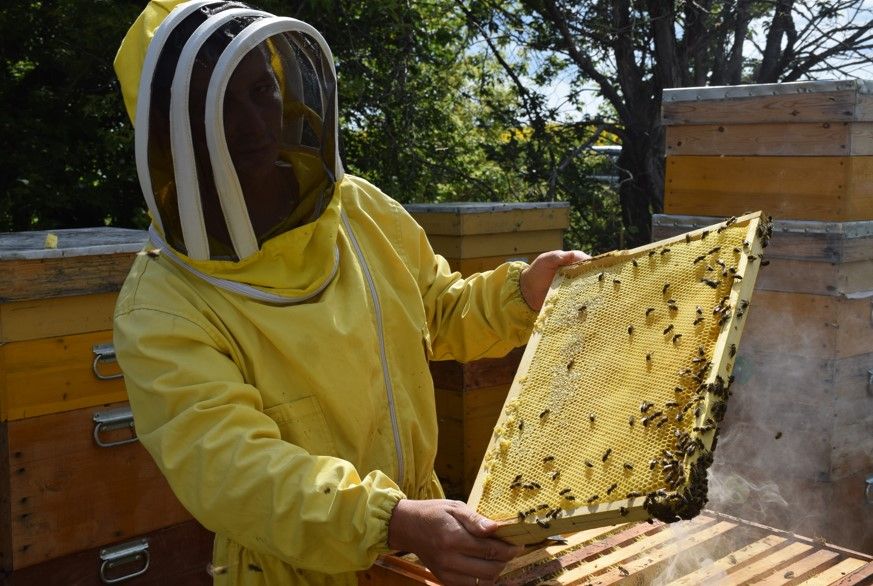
{"x": 613, "y": 412}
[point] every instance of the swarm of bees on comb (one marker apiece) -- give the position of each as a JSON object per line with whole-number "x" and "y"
{"x": 613, "y": 414}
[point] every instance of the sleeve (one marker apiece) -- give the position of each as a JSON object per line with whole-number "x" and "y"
{"x": 226, "y": 461}
{"x": 480, "y": 316}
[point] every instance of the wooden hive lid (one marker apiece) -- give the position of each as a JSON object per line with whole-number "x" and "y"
{"x": 792, "y": 102}
{"x": 469, "y": 218}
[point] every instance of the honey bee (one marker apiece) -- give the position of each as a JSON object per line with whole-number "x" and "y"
{"x": 582, "y": 309}
{"x": 616, "y": 281}
{"x": 521, "y": 516}
{"x": 764, "y": 263}
{"x": 592, "y": 417}
{"x": 633, "y": 495}
{"x": 623, "y": 511}
{"x": 649, "y": 311}
{"x": 612, "y": 487}
{"x": 730, "y": 221}
{"x": 671, "y": 404}
{"x": 736, "y": 250}
{"x": 630, "y": 330}
{"x": 593, "y": 498}
{"x": 665, "y": 251}
{"x": 628, "y": 466}
{"x": 699, "y": 310}
{"x": 645, "y": 421}
{"x": 697, "y": 321}
{"x": 623, "y": 571}
{"x": 543, "y": 524}
{"x": 515, "y": 485}
{"x": 688, "y": 239}
{"x": 649, "y": 356}
{"x": 517, "y": 478}
{"x": 678, "y": 389}
{"x": 545, "y": 413}
{"x": 606, "y": 454}
{"x": 699, "y": 258}
{"x": 652, "y": 253}
{"x": 664, "y": 288}
{"x": 631, "y": 420}
{"x": 668, "y": 329}
{"x": 589, "y": 464}
{"x": 548, "y": 459}
{"x": 570, "y": 497}
{"x": 733, "y": 350}
{"x": 713, "y": 284}
{"x": 542, "y": 507}
{"x": 704, "y": 234}
{"x": 676, "y": 337}
{"x": 565, "y": 491}
{"x": 652, "y": 464}
{"x": 645, "y": 406}
{"x": 521, "y": 425}
{"x": 153, "y": 252}
{"x": 751, "y": 257}
{"x": 570, "y": 364}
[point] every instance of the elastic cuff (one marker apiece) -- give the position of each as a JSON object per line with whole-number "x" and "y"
{"x": 513, "y": 284}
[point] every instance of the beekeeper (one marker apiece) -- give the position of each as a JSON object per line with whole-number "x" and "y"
{"x": 275, "y": 335}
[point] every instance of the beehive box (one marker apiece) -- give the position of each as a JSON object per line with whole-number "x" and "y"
{"x": 178, "y": 554}
{"x": 475, "y": 237}
{"x": 469, "y": 398}
{"x": 56, "y": 308}
{"x": 800, "y": 150}
{"x": 711, "y": 549}
{"x": 75, "y": 478}
{"x": 802, "y": 416}
{"x": 613, "y": 412}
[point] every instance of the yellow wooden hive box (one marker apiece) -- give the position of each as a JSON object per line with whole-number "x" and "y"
{"x": 612, "y": 415}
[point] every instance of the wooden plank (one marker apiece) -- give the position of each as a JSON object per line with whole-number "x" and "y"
{"x": 802, "y": 568}
{"x": 572, "y": 543}
{"x": 733, "y": 560}
{"x": 859, "y": 202}
{"x": 623, "y": 554}
{"x": 468, "y": 266}
{"x": 449, "y": 374}
{"x": 799, "y": 188}
{"x": 485, "y": 245}
{"x": 55, "y": 374}
{"x": 828, "y": 242}
{"x": 395, "y": 571}
{"x": 813, "y": 107}
{"x": 807, "y": 325}
{"x": 59, "y": 316}
{"x": 755, "y": 570}
{"x": 860, "y": 576}
{"x": 848, "y": 522}
{"x": 490, "y": 218}
{"x": 537, "y": 571}
{"x": 648, "y": 569}
{"x": 68, "y": 494}
{"x": 834, "y": 573}
{"x": 861, "y": 138}
{"x": 58, "y": 277}
{"x": 835, "y": 139}
{"x": 179, "y": 554}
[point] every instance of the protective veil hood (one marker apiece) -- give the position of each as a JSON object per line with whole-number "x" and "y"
{"x": 236, "y": 144}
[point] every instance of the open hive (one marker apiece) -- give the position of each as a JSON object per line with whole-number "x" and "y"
{"x": 613, "y": 412}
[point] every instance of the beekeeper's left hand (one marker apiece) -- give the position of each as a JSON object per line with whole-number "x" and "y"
{"x": 535, "y": 280}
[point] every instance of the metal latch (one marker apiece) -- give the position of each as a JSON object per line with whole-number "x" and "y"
{"x": 103, "y": 353}
{"x": 130, "y": 552}
{"x": 121, "y": 418}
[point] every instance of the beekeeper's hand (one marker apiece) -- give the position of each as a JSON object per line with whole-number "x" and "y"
{"x": 535, "y": 280}
{"x": 452, "y": 540}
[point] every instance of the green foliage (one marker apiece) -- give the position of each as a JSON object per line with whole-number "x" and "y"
{"x": 427, "y": 114}
{"x": 66, "y": 140}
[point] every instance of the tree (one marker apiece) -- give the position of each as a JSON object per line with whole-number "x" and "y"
{"x": 631, "y": 50}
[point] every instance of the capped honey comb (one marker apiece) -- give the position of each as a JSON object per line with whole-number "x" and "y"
{"x": 613, "y": 414}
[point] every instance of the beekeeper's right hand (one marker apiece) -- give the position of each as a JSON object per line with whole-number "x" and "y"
{"x": 452, "y": 540}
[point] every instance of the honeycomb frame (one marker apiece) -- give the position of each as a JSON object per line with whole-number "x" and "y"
{"x": 581, "y": 442}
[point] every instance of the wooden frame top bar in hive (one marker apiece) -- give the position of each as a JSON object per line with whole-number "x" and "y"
{"x": 612, "y": 415}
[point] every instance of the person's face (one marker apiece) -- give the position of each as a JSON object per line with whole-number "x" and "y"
{"x": 252, "y": 114}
